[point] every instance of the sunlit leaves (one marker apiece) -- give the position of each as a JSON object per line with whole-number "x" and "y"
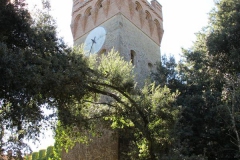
{"x": 147, "y": 114}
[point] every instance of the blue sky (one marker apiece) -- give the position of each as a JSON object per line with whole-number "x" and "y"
{"x": 181, "y": 19}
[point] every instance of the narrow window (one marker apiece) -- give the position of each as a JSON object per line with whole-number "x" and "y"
{"x": 150, "y": 66}
{"x": 157, "y": 23}
{"x": 138, "y": 7}
{"x": 132, "y": 56}
{"x": 99, "y": 4}
{"x": 148, "y": 16}
{"x": 75, "y": 26}
{"x": 88, "y": 12}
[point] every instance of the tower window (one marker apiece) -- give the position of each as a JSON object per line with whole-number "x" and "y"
{"x": 88, "y": 12}
{"x": 138, "y": 7}
{"x": 99, "y": 4}
{"x": 76, "y": 21}
{"x": 148, "y": 16}
{"x": 157, "y": 23}
{"x": 132, "y": 56}
{"x": 150, "y": 66}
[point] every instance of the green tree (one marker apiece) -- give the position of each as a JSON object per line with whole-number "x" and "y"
{"x": 29, "y": 157}
{"x": 42, "y": 72}
{"x": 223, "y": 39}
{"x": 223, "y": 45}
{"x": 209, "y": 123}
{"x": 42, "y": 154}
{"x": 50, "y": 152}
{"x": 35, "y": 156}
{"x": 166, "y": 73}
{"x": 200, "y": 126}
{"x": 18, "y": 22}
{"x": 147, "y": 115}
{"x": 37, "y": 71}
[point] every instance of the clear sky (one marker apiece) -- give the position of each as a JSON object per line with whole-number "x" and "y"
{"x": 181, "y": 19}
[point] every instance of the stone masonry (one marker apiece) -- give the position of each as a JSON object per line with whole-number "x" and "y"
{"x": 134, "y": 29}
{"x": 132, "y": 26}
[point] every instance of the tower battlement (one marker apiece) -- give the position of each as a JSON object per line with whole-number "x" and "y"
{"x": 87, "y": 14}
{"x": 134, "y": 28}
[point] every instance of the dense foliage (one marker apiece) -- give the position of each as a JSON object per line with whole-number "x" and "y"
{"x": 190, "y": 111}
{"x": 208, "y": 80}
{"x": 144, "y": 118}
{"x": 37, "y": 71}
{"x": 43, "y": 154}
{"x": 209, "y": 122}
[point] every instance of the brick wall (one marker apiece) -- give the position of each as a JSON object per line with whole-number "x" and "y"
{"x": 135, "y": 29}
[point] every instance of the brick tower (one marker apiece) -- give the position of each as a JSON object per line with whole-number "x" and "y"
{"x": 132, "y": 27}
{"x": 135, "y": 29}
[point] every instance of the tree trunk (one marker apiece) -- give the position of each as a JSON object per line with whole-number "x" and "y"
{"x": 232, "y": 112}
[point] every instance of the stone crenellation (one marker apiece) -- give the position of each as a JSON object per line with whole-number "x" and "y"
{"x": 87, "y": 14}
{"x": 134, "y": 28}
